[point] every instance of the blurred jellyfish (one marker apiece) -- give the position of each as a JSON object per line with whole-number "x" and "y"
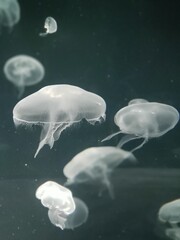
{"x": 22, "y": 71}
{"x": 9, "y": 13}
{"x": 73, "y": 220}
{"x": 56, "y": 197}
{"x": 170, "y": 213}
{"x": 173, "y": 233}
{"x": 144, "y": 120}
{"x": 96, "y": 164}
{"x": 65, "y": 211}
{"x": 57, "y": 107}
{"x": 50, "y": 25}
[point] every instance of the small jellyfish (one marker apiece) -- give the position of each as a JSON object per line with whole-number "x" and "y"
{"x": 57, "y": 107}
{"x": 170, "y": 213}
{"x": 73, "y": 220}
{"x": 9, "y": 13}
{"x": 56, "y": 197}
{"x": 144, "y": 120}
{"x": 22, "y": 71}
{"x": 96, "y": 164}
{"x": 137, "y": 100}
{"x": 50, "y": 25}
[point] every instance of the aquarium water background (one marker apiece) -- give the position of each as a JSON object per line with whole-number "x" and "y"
{"x": 120, "y": 50}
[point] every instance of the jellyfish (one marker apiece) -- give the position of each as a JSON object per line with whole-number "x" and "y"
{"x": 22, "y": 71}
{"x": 50, "y": 25}
{"x": 9, "y": 13}
{"x": 96, "y": 164}
{"x": 170, "y": 213}
{"x": 57, "y": 107}
{"x": 173, "y": 233}
{"x": 56, "y": 197}
{"x": 144, "y": 120}
{"x": 73, "y": 220}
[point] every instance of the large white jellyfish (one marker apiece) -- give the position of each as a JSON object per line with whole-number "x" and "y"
{"x": 9, "y": 13}
{"x": 64, "y": 211}
{"x": 22, "y": 71}
{"x": 57, "y": 107}
{"x": 50, "y": 25}
{"x": 96, "y": 164}
{"x": 142, "y": 119}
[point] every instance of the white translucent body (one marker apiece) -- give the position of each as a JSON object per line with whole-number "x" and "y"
{"x": 73, "y": 220}
{"x": 50, "y": 25}
{"x": 173, "y": 233}
{"x": 95, "y": 164}
{"x": 170, "y": 212}
{"x": 58, "y": 199}
{"x": 144, "y": 120}
{"x": 22, "y": 71}
{"x": 9, "y": 13}
{"x": 57, "y": 107}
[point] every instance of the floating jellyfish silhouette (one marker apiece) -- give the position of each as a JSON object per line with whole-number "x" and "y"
{"x": 73, "y": 220}
{"x": 65, "y": 211}
{"x": 22, "y": 71}
{"x": 96, "y": 164}
{"x": 144, "y": 120}
{"x": 57, "y": 107}
{"x": 50, "y": 25}
{"x": 170, "y": 213}
{"x": 9, "y": 13}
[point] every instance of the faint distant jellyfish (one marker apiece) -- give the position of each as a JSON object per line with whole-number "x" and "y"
{"x": 58, "y": 199}
{"x": 96, "y": 164}
{"x": 144, "y": 120}
{"x": 137, "y": 100}
{"x": 22, "y": 71}
{"x": 57, "y": 107}
{"x": 50, "y": 25}
{"x": 173, "y": 233}
{"x": 170, "y": 213}
{"x": 73, "y": 220}
{"x": 9, "y": 13}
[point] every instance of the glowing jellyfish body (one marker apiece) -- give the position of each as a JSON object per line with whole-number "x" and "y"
{"x": 22, "y": 71}
{"x": 9, "y": 13}
{"x": 64, "y": 211}
{"x": 56, "y": 197}
{"x": 95, "y": 164}
{"x": 50, "y": 25}
{"x": 57, "y": 107}
{"x": 170, "y": 213}
{"x": 144, "y": 120}
{"x": 73, "y": 220}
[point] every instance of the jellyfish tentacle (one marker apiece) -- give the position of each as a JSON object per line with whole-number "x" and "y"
{"x": 111, "y": 136}
{"x": 139, "y": 146}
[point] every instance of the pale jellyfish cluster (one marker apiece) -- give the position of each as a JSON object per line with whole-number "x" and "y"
{"x": 50, "y": 25}
{"x": 143, "y": 119}
{"x": 96, "y": 164}
{"x": 65, "y": 211}
{"x": 9, "y": 13}
{"x": 57, "y": 107}
{"x": 169, "y": 213}
{"x": 23, "y": 71}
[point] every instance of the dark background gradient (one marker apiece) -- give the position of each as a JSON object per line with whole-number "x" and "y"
{"x": 120, "y": 50}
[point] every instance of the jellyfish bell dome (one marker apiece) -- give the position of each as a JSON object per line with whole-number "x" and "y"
{"x": 57, "y": 107}
{"x": 144, "y": 120}
{"x": 73, "y": 220}
{"x": 55, "y": 196}
{"x": 22, "y": 71}
{"x": 170, "y": 212}
{"x": 95, "y": 164}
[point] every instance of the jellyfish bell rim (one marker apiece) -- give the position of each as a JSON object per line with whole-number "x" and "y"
{"x": 18, "y": 121}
